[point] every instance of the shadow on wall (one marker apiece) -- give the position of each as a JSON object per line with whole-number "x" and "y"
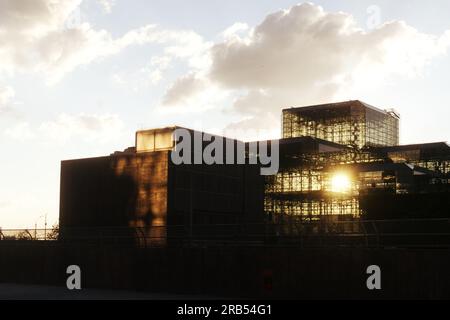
{"x": 103, "y": 194}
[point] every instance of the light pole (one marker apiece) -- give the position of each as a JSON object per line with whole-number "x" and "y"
{"x": 45, "y": 226}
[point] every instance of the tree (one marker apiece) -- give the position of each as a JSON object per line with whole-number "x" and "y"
{"x": 54, "y": 233}
{"x": 24, "y": 235}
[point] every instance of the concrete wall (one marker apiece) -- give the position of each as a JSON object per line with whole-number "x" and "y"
{"x": 235, "y": 272}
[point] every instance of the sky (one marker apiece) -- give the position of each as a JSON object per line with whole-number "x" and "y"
{"x": 78, "y": 78}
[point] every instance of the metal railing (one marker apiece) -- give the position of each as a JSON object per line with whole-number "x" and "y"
{"x": 357, "y": 233}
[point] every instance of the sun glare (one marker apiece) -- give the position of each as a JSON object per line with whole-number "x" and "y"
{"x": 340, "y": 183}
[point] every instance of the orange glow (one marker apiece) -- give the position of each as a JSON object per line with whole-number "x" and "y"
{"x": 340, "y": 183}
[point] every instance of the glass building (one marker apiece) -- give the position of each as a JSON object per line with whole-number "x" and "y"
{"x": 351, "y": 123}
{"x": 335, "y": 157}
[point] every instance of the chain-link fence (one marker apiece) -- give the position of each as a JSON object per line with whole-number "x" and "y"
{"x": 358, "y": 233}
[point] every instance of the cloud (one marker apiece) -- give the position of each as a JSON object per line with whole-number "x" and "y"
{"x": 235, "y": 30}
{"x": 182, "y": 45}
{"x": 27, "y": 27}
{"x": 107, "y": 5}
{"x": 91, "y": 127}
{"x": 22, "y": 131}
{"x": 50, "y": 37}
{"x": 98, "y": 128}
{"x": 306, "y": 55}
{"x": 306, "y": 46}
{"x": 34, "y": 17}
{"x": 156, "y": 68}
{"x": 253, "y": 128}
{"x": 6, "y": 97}
{"x": 192, "y": 93}
{"x": 182, "y": 89}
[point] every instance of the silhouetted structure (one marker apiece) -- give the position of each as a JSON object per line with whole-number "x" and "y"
{"x": 337, "y": 162}
{"x": 351, "y": 123}
{"x": 142, "y": 189}
{"x": 359, "y": 171}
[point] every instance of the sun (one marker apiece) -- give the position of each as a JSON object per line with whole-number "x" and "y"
{"x": 341, "y": 183}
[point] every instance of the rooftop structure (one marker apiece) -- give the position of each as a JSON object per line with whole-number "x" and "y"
{"x": 350, "y": 123}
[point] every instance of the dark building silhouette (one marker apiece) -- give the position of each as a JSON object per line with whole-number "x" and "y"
{"x": 142, "y": 189}
{"x": 351, "y": 123}
{"x": 337, "y": 161}
{"x": 342, "y": 161}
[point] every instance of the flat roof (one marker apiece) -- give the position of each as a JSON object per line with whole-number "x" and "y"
{"x": 304, "y": 139}
{"x": 169, "y": 128}
{"x": 427, "y": 150}
{"x": 161, "y": 129}
{"x": 443, "y": 146}
{"x": 340, "y": 105}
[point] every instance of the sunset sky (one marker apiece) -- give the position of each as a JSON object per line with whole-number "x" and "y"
{"x": 78, "y": 78}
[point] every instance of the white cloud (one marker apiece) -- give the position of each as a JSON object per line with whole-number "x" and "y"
{"x": 182, "y": 89}
{"x": 161, "y": 62}
{"x": 155, "y": 76}
{"x": 49, "y": 37}
{"x": 90, "y": 127}
{"x": 27, "y": 27}
{"x": 306, "y": 55}
{"x": 6, "y": 97}
{"x": 306, "y": 48}
{"x": 107, "y": 5}
{"x": 178, "y": 45}
{"x": 192, "y": 93}
{"x": 235, "y": 30}
{"x": 155, "y": 70}
{"x": 253, "y": 128}
{"x": 98, "y": 128}
{"x": 22, "y": 131}
{"x": 33, "y": 17}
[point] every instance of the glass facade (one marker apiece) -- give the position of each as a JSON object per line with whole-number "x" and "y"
{"x": 305, "y": 189}
{"x": 351, "y": 123}
{"x": 310, "y": 186}
{"x": 438, "y": 161}
{"x": 154, "y": 140}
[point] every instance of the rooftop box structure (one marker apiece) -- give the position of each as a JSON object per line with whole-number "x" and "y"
{"x": 155, "y": 139}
